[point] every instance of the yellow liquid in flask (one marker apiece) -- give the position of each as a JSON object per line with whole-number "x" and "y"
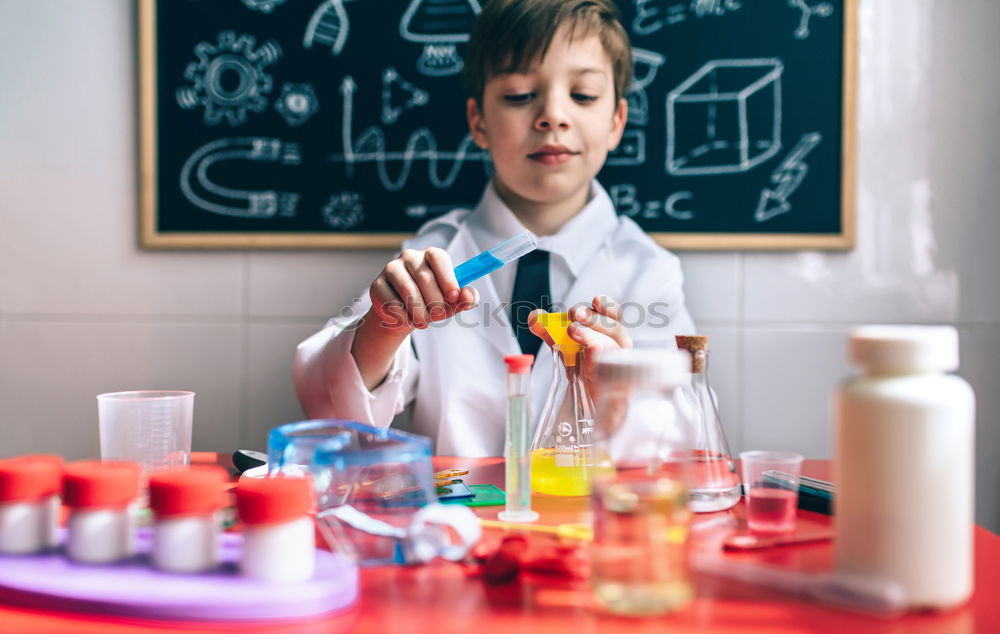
{"x": 559, "y": 473}
{"x": 563, "y": 473}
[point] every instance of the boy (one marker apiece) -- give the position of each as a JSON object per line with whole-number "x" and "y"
{"x": 546, "y": 83}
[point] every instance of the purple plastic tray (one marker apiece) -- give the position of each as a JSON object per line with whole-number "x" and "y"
{"x": 133, "y": 588}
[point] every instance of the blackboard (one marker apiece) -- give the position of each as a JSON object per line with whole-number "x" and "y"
{"x": 325, "y": 123}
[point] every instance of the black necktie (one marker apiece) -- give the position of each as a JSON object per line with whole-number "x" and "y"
{"x": 531, "y": 291}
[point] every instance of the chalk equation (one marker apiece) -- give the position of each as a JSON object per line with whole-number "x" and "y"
{"x": 652, "y": 16}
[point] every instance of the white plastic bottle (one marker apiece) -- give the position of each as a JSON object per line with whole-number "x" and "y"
{"x": 279, "y": 543}
{"x": 98, "y": 495}
{"x": 186, "y": 506}
{"x": 29, "y": 502}
{"x": 904, "y": 464}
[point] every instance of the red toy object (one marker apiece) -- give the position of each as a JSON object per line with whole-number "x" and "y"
{"x": 568, "y": 562}
{"x": 503, "y": 562}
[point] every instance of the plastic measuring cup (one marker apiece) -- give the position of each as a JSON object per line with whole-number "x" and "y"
{"x": 151, "y": 427}
{"x": 492, "y": 259}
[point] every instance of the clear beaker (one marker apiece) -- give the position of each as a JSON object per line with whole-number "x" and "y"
{"x": 561, "y": 459}
{"x": 715, "y": 482}
{"x": 641, "y": 520}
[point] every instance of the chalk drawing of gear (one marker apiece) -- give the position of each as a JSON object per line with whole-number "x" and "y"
{"x": 229, "y": 79}
{"x": 344, "y": 210}
{"x": 206, "y": 194}
{"x": 297, "y": 103}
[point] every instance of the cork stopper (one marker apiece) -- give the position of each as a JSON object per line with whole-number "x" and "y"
{"x": 697, "y": 345}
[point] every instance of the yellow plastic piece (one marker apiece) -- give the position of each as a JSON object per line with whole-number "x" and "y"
{"x": 580, "y": 532}
{"x": 556, "y": 324}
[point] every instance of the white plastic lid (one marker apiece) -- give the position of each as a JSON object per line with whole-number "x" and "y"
{"x": 667, "y": 367}
{"x": 904, "y": 347}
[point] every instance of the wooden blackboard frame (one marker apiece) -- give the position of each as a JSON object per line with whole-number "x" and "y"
{"x": 152, "y": 238}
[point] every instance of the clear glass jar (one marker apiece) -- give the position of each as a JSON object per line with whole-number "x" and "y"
{"x": 641, "y": 519}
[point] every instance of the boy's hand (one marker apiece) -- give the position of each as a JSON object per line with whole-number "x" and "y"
{"x": 416, "y": 289}
{"x": 598, "y": 328}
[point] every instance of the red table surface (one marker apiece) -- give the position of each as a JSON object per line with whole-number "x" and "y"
{"x": 443, "y": 598}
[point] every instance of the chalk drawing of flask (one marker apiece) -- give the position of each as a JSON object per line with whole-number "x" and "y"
{"x": 439, "y": 25}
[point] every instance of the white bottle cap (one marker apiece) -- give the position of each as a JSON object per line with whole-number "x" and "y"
{"x": 904, "y": 347}
{"x": 666, "y": 367}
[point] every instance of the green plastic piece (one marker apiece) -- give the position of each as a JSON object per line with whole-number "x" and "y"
{"x": 485, "y": 495}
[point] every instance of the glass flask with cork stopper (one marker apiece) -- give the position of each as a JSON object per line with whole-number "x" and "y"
{"x": 561, "y": 456}
{"x": 714, "y": 483}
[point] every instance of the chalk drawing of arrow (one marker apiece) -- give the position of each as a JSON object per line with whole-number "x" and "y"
{"x": 787, "y": 178}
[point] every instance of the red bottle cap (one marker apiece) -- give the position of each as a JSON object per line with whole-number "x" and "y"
{"x": 45, "y": 457}
{"x": 30, "y": 478}
{"x": 273, "y": 499}
{"x": 519, "y": 363}
{"x": 195, "y": 491}
{"x": 96, "y": 484}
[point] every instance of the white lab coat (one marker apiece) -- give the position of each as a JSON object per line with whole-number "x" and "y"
{"x": 454, "y": 369}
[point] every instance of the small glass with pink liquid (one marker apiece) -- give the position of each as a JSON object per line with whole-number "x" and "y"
{"x": 771, "y": 501}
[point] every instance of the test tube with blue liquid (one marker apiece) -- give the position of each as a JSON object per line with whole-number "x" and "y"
{"x": 492, "y": 259}
{"x": 518, "y": 445}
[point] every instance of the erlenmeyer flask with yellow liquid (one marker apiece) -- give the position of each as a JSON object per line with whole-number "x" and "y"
{"x": 561, "y": 457}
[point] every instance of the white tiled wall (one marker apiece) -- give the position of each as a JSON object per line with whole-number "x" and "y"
{"x": 83, "y": 310}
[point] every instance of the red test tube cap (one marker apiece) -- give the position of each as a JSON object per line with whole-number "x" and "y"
{"x": 195, "y": 491}
{"x": 30, "y": 478}
{"x": 519, "y": 363}
{"x": 273, "y": 500}
{"x": 96, "y": 484}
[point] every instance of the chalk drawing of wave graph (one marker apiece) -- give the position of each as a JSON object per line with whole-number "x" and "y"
{"x": 420, "y": 146}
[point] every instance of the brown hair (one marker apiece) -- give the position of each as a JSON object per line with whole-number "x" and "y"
{"x": 509, "y": 35}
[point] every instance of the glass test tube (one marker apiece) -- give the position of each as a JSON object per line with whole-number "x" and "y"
{"x": 492, "y": 259}
{"x": 518, "y": 450}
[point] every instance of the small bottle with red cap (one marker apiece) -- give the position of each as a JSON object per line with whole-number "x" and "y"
{"x": 98, "y": 495}
{"x": 279, "y": 543}
{"x": 29, "y": 503}
{"x": 186, "y": 510}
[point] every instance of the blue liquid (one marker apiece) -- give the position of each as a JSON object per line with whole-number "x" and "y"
{"x": 472, "y": 270}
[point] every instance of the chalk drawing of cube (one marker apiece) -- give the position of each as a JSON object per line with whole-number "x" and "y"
{"x": 725, "y": 118}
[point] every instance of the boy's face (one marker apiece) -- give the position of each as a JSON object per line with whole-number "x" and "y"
{"x": 550, "y": 128}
